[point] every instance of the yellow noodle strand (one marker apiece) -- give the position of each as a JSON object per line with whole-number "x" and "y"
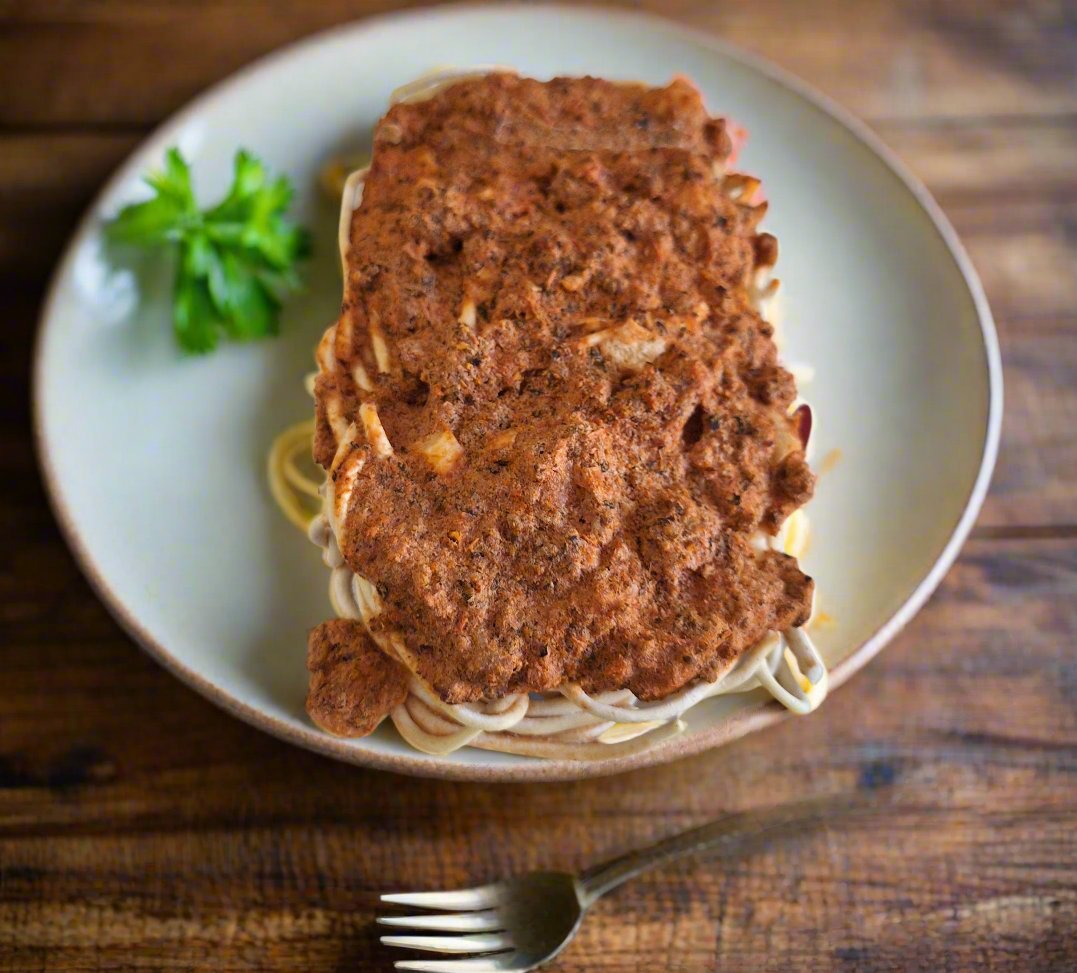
{"x": 288, "y": 493}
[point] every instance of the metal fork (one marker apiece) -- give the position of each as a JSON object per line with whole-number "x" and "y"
{"x": 523, "y": 922}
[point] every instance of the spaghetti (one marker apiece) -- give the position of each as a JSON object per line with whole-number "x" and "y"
{"x": 567, "y": 723}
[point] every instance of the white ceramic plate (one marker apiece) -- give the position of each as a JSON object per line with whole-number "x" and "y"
{"x": 155, "y": 462}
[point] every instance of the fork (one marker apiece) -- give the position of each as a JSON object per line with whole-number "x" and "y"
{"x": 523, "y": 922}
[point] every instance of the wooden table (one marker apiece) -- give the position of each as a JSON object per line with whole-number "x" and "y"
{"x": 140, "y": 827}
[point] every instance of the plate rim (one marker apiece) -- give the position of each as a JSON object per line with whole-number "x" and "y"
{"x": 524, "y": 768}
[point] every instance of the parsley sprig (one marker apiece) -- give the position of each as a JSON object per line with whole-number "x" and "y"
{"x": 235, "y": 262}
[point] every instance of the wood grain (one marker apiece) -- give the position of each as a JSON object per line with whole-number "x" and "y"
{"x": 917, "y": 59}
{"x": 142, "y": 828}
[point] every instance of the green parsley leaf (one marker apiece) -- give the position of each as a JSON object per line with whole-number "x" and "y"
{"x": 249, "y": 307}
{"x": 195, "y": 321}
{"x": 174, "y": 181}
{"x": 236, "y": 261}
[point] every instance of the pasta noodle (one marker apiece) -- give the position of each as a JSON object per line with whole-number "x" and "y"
{"x": 568, "y": 723}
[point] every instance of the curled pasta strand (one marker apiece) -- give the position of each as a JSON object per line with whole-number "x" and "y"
{"x": 554, "y": 704}
{"x": 586, "y": 751}
{"x": 286, "y": 494}
{"x": 426, "y": 742}
{"x": 340, "y": 594}
{"x": 546, "y": 726}
{"x": 669, "y": 708}
{"x": 473, "y": 716}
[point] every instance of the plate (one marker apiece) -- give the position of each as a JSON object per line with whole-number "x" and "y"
{"x": 155, "y": 461}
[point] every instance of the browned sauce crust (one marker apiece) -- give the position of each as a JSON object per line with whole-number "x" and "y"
{"x": 562, "y": 281}
{"x": 353, "y": 684}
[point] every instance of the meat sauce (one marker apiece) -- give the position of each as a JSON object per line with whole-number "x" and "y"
{"x": 559, "y": 276}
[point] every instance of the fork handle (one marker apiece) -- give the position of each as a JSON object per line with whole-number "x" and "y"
{"x": 729, "y": 832}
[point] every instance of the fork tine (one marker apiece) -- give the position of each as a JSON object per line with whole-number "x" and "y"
{"x": 452, "y": 944}
{"x": 463, "y": 900}
{"x": 450, "y": 922}
{"x": 491, "y": 965}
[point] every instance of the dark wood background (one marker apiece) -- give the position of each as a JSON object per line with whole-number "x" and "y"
{"x": 142, "y": 828}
